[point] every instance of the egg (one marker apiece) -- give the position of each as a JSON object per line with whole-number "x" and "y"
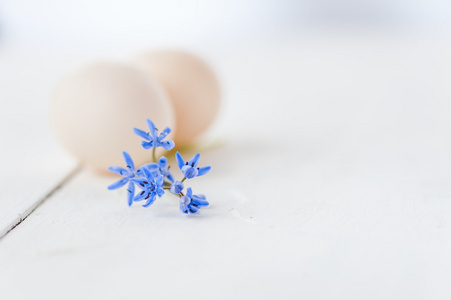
{"x": 95, "y": 108}
{"x": 192, "y": 87}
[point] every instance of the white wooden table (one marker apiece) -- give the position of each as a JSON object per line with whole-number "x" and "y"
{"x": 330, "y": 180}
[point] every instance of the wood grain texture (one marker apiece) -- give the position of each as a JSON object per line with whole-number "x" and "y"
{"x": 331, "y": 182}
{"x": 32, "y": 164}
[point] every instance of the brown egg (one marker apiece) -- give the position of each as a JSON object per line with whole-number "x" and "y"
{"x": 192, "y": 87}
{"x": 95, "y": 108}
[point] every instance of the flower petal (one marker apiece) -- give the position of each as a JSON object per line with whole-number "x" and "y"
{"x": 199, "y": 197}
{"x": 141, "y": 183}
{"x": 147, "y": 145}
{"x": 163, "y": 162}
{"x": 151, "y": 173}
{"x": 184, "y": 200}
{"x": 169, "y": 176}
{"x": 203, "y": 170}
{"x": 150, "y": 124}
{"x": 200, "y": 200}
{"x": 151, "y": 168}
{"x": 131, "y": 193}
{"x": 141, "y": 196}
{"x": 152, "y": 129}
{"x": 177, "y": 187}
{"x": 118, "y": 170}
{"x": 142, "y": 134}
{"x": 189, "y": 192}
{"x": 159, "y": 180}
{"x": 164, "y": 133}
{"x": 184, "y": 209}
{"x": 194, "y": 161}
{"x": 118, "y": 184}
{"x": 128, "y": 161}
{"x": 180, "y": 161}
{"x": 160, "y": 192}
{"x": 150, "y": 200}
{"x": 192, "y": 209}
{"x": 168, "y": 145}
{"x": 189, "y": 172}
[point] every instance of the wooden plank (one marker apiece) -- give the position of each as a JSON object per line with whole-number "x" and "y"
{"x": 335, "y": 223}
{"x": 32, "y": 164}
{"x": 331, "y": 183}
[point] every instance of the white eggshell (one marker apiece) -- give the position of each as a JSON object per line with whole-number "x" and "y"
{"x": 95, "y": 108}
{"x": 192, "y": 87}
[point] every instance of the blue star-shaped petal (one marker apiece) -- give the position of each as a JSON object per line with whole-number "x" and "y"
{"x": 160, "y": 168}
{"x": 190, "y": 204}
{"x": 127, "y": 174}
{"x": 153, "y": 140}
{"x": 151, "y": 187}
{"x": 152, "y": 168}
{"x": 164, "y": 168}
{"x": 189, "y": 168}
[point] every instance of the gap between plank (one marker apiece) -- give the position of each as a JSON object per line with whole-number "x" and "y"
{"x": 29, "y": 211}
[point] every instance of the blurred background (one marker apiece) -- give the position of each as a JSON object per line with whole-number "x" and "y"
{"x": 321, "y": 71}
{"x": 69, "y": 32}
{"x": 336, "y": 154}
{"x": 73, "y": 24}
{"x": 55, "y": 36}
{"x": 371, "y": 77}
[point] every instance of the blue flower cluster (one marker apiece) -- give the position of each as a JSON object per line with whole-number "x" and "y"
{"x": 153, "y": 179}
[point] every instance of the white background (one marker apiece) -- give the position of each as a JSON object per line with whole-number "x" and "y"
{"x": 331, "y": 157}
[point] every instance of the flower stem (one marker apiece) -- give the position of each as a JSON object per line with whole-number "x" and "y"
{"x": 183, "y": 179}
{"x": 153, "y": 155}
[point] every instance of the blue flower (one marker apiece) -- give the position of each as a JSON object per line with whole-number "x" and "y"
{"x": 153, "y": 139}
{"x": 191, "y": 203}
{"x": 177, "y": 187}
{"x": 155, "y": 169}
{"x": 151, "y": 187}
{"x": 127, "y": 174}
{"x": 164, "y": 168}
{"x": 190, "y": 169}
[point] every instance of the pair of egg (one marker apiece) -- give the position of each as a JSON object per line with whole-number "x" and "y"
{"x": 95, "y": 108}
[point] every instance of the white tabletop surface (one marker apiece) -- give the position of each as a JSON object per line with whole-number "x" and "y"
{"x": 330, "y": 179}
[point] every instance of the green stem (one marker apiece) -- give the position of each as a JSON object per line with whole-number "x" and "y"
{"x": 167, "y": 183}
{"x": 153, "y": 155}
